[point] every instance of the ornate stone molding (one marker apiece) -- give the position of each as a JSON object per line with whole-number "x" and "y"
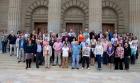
{"x": 78, "y": 4}
{"x": 118, "y": 10}
{"x": 30, "y": 10}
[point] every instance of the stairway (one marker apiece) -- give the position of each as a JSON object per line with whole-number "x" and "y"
{"x": 11, "y": 62}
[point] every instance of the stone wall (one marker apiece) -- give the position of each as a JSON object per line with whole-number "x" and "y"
{"x": 122, "y": 4}
{"x": 3, "y": 15}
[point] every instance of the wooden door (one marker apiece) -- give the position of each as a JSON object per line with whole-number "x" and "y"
{"x": 76, "y": 27}
{"x": 41, "y": 27}
{"x": 106, "y": 27}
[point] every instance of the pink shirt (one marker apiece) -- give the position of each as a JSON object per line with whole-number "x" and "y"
{"x": 120, "y": 52}
{"x": 57, "y": 46}
{"x": 105, "y": 45}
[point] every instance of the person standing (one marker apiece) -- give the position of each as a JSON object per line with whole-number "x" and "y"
{"x": 92, "y": 55}
{"x": 17, "y": 45}
{"x": 28, "y": 53}
{"x": 75, "y": 55}
{"x": 12, "y": 41}
{"x": 39, "y": 53}
{"x": 47, "y": 53}
{"x": 4, "y": 43}
{"x": 65, "y": 54}
{"x": 57, "y": 49}
{"x": 86, "y": 56}
{"x": 110, "y": 53}
{"x": 119, "y": 55}
{"x": 99, "y": 53}
{"x": 21, "y": 49}
{"x": 105, "y": 45}
{"x": 127, "y": 53}
{"x": 133, "y": 53}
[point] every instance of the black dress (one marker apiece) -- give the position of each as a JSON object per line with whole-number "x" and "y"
{"x": 127, "y": 53}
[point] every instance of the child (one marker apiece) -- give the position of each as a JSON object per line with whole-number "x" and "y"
{"x": 65, "y": 53}
{"x": 86, "y": 56}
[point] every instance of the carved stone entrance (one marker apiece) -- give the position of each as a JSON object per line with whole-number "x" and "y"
{"x": 106, "y": 27}
{"x": 41, "y": 27}
{"x": 76, "y": 27}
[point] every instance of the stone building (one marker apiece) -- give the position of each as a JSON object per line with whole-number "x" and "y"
{"x": 56, "y": 15}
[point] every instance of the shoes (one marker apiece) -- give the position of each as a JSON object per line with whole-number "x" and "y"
{"x": 88, "y": 68}
{"x": 72, "y": 68}
{"x": 26, "y": 67}
{"x": 19, "y": 61}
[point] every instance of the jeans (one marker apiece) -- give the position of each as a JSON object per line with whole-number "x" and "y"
{"x": 21, "y": 56}
{"x": 57, "y": 57}
{"x": 86, "y": 60}
{"x": 75, "y": 61}
{"x": 38, "y": 59}
{"x": 11, "y": 47}
{"x": 99, "y": 60}
{"x": 4, "y": 45}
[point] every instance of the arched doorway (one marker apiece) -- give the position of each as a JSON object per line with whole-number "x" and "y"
{"x": 117, "y": 16}
{"x": 39, "y": 19}
{"x": 37, "y": 16}
{"x": 74, "y": 15}
{"x": 74, "y": 18}
{"x": 110, "y": 19}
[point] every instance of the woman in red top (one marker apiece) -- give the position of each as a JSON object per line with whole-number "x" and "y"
{"x": 80, "y": 37}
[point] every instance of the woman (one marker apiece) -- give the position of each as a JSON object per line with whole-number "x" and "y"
{"x": 93, "y": 44}
{"x": 47, "y": 53}
{"x": 105, "y": 45}
{"x": 99, "y": 53}
{"x": 28, "y": 53}
{"x": 110, "y": 53}
{"x": 133, "y": 53}
{"x": 119, "y": 55}
{"x": 127, "y": 53}
{"x": 65, "y": 54}
{"x": 80, "y": 37}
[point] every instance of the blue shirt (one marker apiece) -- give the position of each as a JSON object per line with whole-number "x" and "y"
{"x": 39, "y": 48}
{"x": 76, "y": 49}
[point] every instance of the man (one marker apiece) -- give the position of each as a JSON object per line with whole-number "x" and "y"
{"x": 75, "y": 55}
{"x": 57, "y": 50}
{"x": 4, "y": 43}
{"x": 12, "y": 41}
{"x": 39, "y": 54}
{"x": 21, "y": 49}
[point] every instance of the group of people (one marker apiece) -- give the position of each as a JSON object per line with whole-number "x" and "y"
{"x": 85, "y": 49}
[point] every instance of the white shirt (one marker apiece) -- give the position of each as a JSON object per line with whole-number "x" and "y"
{"x": 86, "y": 51}
{"x": 65, "y": 51}
{"x": 99, "y": 50}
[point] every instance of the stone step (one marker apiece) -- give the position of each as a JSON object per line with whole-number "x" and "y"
{"x": 10, "y": 62}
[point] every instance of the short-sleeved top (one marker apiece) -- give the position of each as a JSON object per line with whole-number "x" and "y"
{"x": 65, "y": 51}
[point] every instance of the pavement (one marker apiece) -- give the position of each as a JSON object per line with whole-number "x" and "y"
{"x": 13, "y": 72}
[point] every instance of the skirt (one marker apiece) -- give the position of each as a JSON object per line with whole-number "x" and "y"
{"x": 28, "y": 56}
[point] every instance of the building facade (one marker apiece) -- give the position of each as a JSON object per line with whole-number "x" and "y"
{"x": 57, "y": 15}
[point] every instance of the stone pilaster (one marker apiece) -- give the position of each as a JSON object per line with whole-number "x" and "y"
{"x": 95, "y": 15}
{"x": 54, "y": 15}
{"x": 134, "y": 17}
{"x": 14, "y": 18}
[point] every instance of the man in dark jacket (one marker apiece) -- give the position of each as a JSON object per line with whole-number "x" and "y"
{"x": 12, "y": 40}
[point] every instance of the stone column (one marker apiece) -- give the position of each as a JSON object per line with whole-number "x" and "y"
{"x": 134, "y": 17}
{"x": 14, "y": 18}
{"x": 95, "y": 15}
{"x": 54, "y": 15}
